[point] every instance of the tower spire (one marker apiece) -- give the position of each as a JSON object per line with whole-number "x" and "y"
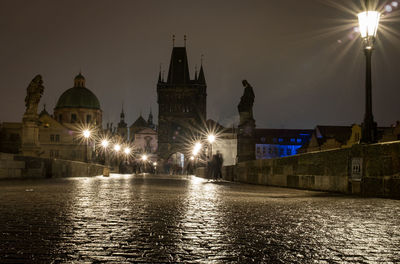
{"x": 184, "y": 40}
{"x": 195, "y": 72}
{"x": 159, "y": 74}
{"x": 173, "y": 40}
{"x": 122, "y": 115}
{"x": 201, "y": 79}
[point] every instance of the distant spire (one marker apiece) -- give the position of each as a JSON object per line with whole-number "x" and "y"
{"x": 150, "y": 119}
{"x": 195, "y": 72}
{"x": 122, "y": 116}
{"x": 201, "y": 59}
{"x": 184, "y": 40}
{"x": 173, "y": 40}
{"x": 163, "y": 73}
{"x": 201, "y": 79}
{"x": 159, "y": 74}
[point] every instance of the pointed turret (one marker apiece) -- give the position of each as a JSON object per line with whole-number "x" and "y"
{"x": 122, "y": 123}
{"x": 201, "y": 79}
{"x": 178, "y": 68}
{"x": 150, "y": 119}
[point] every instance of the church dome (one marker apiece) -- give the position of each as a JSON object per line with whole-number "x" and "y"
{"x": 78, "y": 96}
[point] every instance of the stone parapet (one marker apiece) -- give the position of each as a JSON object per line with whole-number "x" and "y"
{"x": 370, "y": 170}
{"x": 15, "y": 166}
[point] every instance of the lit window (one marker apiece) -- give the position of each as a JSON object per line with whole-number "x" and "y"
{"x": 52, "y": 138}
{"x": 299, "y": 140}
{"x": 280, "y": 139}
{"x": 292, "y": 140}
{"x": 57, "y": 138}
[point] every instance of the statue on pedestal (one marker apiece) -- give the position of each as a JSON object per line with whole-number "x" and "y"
{"x": 32, "y": 99}
{"x": 30, "y": 128}
{"x": 246, "y": 140}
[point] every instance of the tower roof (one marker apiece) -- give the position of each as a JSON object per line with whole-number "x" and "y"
{"x": 178, "y": 68}
{"x": 201, "y": 79}
{"x": 140, "y": 122}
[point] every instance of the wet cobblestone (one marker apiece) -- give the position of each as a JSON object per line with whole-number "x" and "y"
{"x": 158, "y": 219}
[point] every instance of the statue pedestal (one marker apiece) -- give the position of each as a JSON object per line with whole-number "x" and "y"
{"x": 246, "y": 148}
{"x": 30, "y": 136}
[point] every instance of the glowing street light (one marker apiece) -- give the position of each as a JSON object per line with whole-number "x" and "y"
{"x": 105, "y": 143}
{"x": 117, "y": 147}
{"x": 127, "y": 150}
{"x": 191, "y": 158}
{"x": 368, "y": 26}
{"x": 196, "y": 148}
{"x": 86, "y": 133}
{"x": 144, "y": 157}
{"x": 211, "y": 138}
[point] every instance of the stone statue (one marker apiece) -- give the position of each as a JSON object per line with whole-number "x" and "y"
{"x": 247, "y": 99}
{"x": 34, "y": 93}
{"x": 30, "y": 129}
{"x": 246, "y": 135}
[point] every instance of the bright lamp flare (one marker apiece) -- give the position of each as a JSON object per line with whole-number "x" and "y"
{"x": 144, "y": 157}
{"x": 191, "y": 158}
{"x": 117, "y": 147}
{"x": 196, "y": 148}
{"x": 86, "y": 133}
{"x": 127, "y": 151}
{"x": 105, "y": 143}
{"x": 368, "y": 21}
{"x": 211, "y": 138}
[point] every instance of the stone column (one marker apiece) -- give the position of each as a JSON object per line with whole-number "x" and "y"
{"x": 30, "y": 136}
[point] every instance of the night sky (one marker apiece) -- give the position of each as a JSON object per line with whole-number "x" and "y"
{"x": 303, "y": 58}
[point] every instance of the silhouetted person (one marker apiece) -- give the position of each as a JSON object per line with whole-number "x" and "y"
{"x": 219, "y": 160}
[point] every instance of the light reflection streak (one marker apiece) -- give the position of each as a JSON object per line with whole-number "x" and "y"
{"x": 201, "y": 215}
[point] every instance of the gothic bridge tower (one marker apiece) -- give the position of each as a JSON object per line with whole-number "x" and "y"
{"x": 181, "y": 104}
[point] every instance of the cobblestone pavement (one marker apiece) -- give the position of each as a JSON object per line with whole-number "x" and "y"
{"x": 152, "y": 219}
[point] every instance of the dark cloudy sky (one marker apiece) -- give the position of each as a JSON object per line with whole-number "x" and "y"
{"x": 302, "y": 58}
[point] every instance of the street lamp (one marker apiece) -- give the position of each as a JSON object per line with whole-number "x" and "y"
{"x": 117, "y": 148}
{"x": 104, "y": 144}
{"x": 196, "y": 148}
{"x": 368, "y": 26}
{"x": 211, "y": 139}
{"x": 86, "y": 135}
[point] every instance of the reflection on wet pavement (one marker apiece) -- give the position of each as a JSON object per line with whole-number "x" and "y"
{"x": 147, "y": 218}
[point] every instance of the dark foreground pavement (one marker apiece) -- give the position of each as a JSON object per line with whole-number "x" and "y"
{"x": 150, "y": 219}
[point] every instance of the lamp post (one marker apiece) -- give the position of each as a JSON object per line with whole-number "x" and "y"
{"x": 104, "y": 144}
{"x": 144, "y": 160}
{"x": 368, "y": 25}
{"x": 117, "y": 148}
{"x": 86, "y": 134}
{"x": 211, "y": 139}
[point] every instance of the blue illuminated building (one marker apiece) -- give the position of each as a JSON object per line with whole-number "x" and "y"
{"x": 277, "y": 143}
